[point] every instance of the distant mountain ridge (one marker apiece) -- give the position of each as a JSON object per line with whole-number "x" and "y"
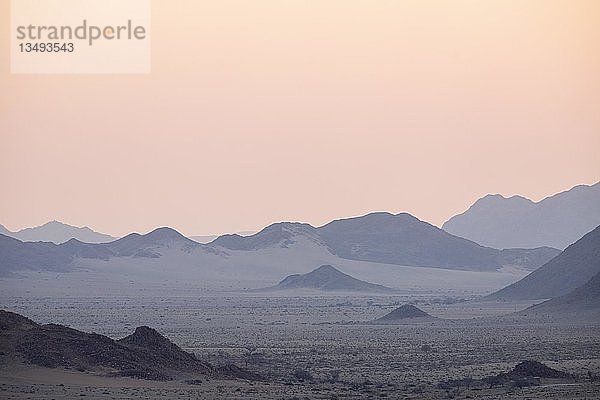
{"x": 571, "y": 269}
{"x": 57, "y": 232}
{"x": 328, "y": 278}
{"x": 281, "y": 234}
{"x": 400, "y": 239}
{"x": 16, "y": 255}
{"x": 138, "y": 245}
{"x": 517, "y": 222}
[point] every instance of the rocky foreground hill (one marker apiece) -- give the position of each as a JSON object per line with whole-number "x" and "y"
{"x": 145, "y": 354}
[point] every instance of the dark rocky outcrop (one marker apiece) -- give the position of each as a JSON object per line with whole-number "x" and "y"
{"x": 145, "y": 354}
{"x": 536, "y": 369}
{"x": 526, "y": 373}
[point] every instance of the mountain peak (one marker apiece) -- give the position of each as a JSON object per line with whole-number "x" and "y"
{"x": 147, "y": 337}
{"x": 157, "y": 346}
{"x": 150, "y": 244}
{"x": 406, "y": 215}
{"x": 517, "y": 222}
{"x": 280, "y": 234}
{"x": 58, "y": 232}
{"x": 500, "y": 199}
{"x": 165, "y": 233}
{"x": 55, "y": 223}
{"x": 375, "y": 216}
{"x": 376, "y": 222}
{"x": 326, "y": 269}
{"x": 73, "y": 241}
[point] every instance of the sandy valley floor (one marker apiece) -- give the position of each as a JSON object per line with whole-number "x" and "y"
{"x": 319, "y": 347}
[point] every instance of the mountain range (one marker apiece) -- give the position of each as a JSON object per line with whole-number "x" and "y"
{"x": 379, "y": 237}
{"x": 16, "y": 255}
{"x": 399, "y": 239}
{"x": 571, "y": 269}
{"x": 517, "y": 222}
{"x": 57, "y": 232}
{"x": 492, "y": 221}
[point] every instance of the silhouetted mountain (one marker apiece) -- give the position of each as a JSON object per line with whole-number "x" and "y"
{"x": 405, "y": 240}
{"x": 380, "y": 237}
{"x": 79, "y": 249}
{"x": 145, "y": 354}
{"x": 327, "y": 278}
{"x": 281, "y": 234}
{"x": 517, "y": 222}
{"x": 405, "y": 312}
{"x": 564, "y": 273}
{"x": 393, "y": 239}
{"x": 147, "y": 339}
{"x": 16, "y": 255}
{"x": 57, "y": 232}
{"x": 148, "y": 245}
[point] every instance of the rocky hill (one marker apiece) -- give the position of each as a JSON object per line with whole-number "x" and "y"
{"x": 405, "y": 313}
{"x": 327, "y": 278}
{"x": 561, "y": 275}
{"x": 145, "y": 354}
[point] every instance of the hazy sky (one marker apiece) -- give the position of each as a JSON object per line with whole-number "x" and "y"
{"x": 261, "y": 111}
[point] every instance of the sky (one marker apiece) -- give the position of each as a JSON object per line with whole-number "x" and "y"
{"x": 264, "y": 111}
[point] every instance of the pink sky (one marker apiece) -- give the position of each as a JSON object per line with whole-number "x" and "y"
{"x": 262, "y": 111}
